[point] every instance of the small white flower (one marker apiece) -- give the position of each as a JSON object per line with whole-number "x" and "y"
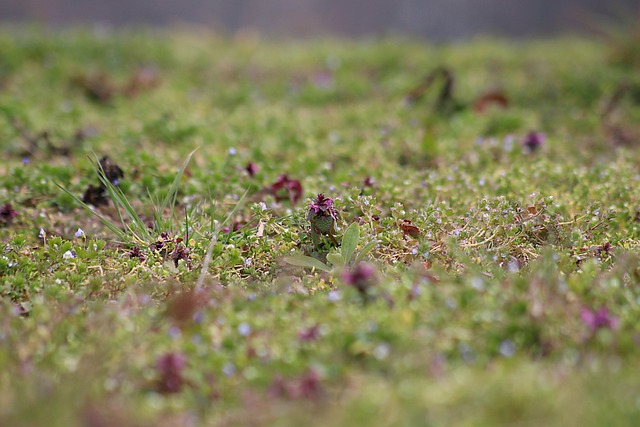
{"x": 80, "y": 233}
{"x": 42, "y": 234}
{"x": 381, "y": 351}
{"x": 232, "y": 151}
{"x": 68, "y": 255}
{"x": 248, "y": 262}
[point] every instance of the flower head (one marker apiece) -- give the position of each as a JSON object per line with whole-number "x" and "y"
{"x": 311, "y": 333}
{"x": 601, "y": 318}
{"x": 136, "y": 252}
{"x": 169, "y": 367}
{"x": 322, "y": 205}
{"x": 322, "y": 216}
{"x": 534, "y": 140}
{"x": 361, "y": 277}
{"x": 181, "y": 252}
{"x": 252, "y": 169}
{"x": 307, "y": 386}
{"x": 7, "y": 213}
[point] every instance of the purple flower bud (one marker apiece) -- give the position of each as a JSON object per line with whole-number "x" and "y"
{"x": 595, "y": 320}
{"x": 309, "y": 334}
{"x": 361, "y": 277}
{"x": 533, "y": 141}
{"x": 7, "y": 213}
{"x": 252, "y": 169}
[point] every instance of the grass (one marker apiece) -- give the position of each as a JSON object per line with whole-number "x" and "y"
{"x": 501, "y": 279}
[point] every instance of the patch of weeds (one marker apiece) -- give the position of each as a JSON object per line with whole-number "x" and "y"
{"x": 480, "y": 245}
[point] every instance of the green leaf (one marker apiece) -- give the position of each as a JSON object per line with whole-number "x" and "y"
{"x": 350, "y": 241}
{"x": 367, "y": 248}
{"x": 335, "y": 259}
{"x": 306, "y": 261}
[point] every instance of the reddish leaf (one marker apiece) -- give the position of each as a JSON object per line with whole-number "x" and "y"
{"x": 142, "y": 80}
{"x": 292, "y": 187}
{"x": 495, "y": 97}
{"x": 409, "y": 229}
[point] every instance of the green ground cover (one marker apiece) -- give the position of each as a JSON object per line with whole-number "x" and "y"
{"x": 482, "y": 266}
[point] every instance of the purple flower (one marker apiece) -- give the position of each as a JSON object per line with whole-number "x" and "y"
{"x": 136, "y": 253}
{"x": 309, "y": 334}
{"x": 307, "y": 386}
{"x": 181, "y": 252}
{"x": 252, "y": 169}
{"x": 322, "y": 216}
{"x": 170, "y": 366}
{"x": 533, "y": 141}
{"x": 599, "y": 319}
{"x": 361, "y": 277}
{"x": 369, "y": 181}
{"x": 7, "y": 213}
{"x": 323, "y": 80}
{"x": 322, "y": 205}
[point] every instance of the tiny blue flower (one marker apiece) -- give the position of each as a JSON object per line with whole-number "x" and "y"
{"x": 244, "y": 329}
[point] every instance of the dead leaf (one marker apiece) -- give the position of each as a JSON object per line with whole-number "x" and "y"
{"x": 409, "y": 229}
{"x": 495, "y": 97}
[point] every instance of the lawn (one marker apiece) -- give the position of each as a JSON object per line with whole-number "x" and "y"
{"x": 199, "y": 230}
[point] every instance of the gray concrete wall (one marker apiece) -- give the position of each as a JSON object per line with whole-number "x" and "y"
{"x": 437, "y": 19}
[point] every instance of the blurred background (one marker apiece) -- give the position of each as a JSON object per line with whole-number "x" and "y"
{"x": 433, "y": 19}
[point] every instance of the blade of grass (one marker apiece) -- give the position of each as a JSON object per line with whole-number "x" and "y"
{"x": 214, "y": 239}
{"x": 172, "y": 194}
{"x": 110, "y": 225}
{"x": 137, "y": 225}
{"x": 366, "y": 249}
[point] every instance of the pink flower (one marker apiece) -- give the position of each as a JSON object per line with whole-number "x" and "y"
{"x": 252, "y": 169}
{"x": 595, "y": 320}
